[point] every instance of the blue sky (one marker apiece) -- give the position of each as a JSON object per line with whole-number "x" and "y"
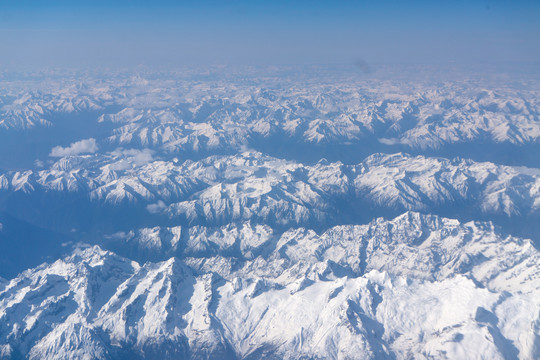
{"x": 104, "y": 33}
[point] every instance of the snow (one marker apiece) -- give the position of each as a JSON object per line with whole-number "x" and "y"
{"x": 345, "y": 293}
{"x": 203, "y": 221}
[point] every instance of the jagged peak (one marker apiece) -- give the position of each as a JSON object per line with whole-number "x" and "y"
{"x": 94, "y": 256}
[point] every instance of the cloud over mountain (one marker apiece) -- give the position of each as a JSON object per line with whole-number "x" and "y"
{"x": 86, "y": 146}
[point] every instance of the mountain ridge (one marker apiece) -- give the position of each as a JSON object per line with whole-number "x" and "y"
{"x": 192, "y": 312}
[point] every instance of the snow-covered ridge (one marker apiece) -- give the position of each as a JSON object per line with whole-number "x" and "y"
{"x": 28, "y": 108}
{"x": 425, "y": 119}
{"x": 170, "y": 113}
{"x": 429, "y": 247}
{"x": 245, "y": 241}
{"x": 473, "y": 291}
{"x": 202, "y": 222}
{"x": 252, "y": 186}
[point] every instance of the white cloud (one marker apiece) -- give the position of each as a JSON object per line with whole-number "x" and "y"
{"x": 139, "y": 157}
{"x": 392, "y": 141}
{"x": 79, "y": 147}
{"x": 157, "y": 207}
{"x": 131, "y": 158}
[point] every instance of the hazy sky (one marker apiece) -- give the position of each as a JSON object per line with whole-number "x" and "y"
{"x": 105, "y": 33}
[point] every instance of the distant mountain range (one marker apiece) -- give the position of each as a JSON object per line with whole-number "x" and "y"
{"x": 252, "y": 214}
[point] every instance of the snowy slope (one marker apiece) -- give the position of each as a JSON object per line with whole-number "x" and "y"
{"x": 253, "y": 186}
{"x": 192, "y": 214}
{"x": 173, "y": 112}
{"x": 473, "y": 291}
{"x": 34, "y": 106}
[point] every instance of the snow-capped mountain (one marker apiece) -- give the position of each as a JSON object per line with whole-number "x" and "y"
{"x": 464, "y": 281}
{"x": 26, "y": 109}
{"x": 280, "y": 213}
{"x": 428, "y": 119}
{"x": 429, "y": 247}
{"x": 252, "y": 186}
{"x": 221, "y": 114}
